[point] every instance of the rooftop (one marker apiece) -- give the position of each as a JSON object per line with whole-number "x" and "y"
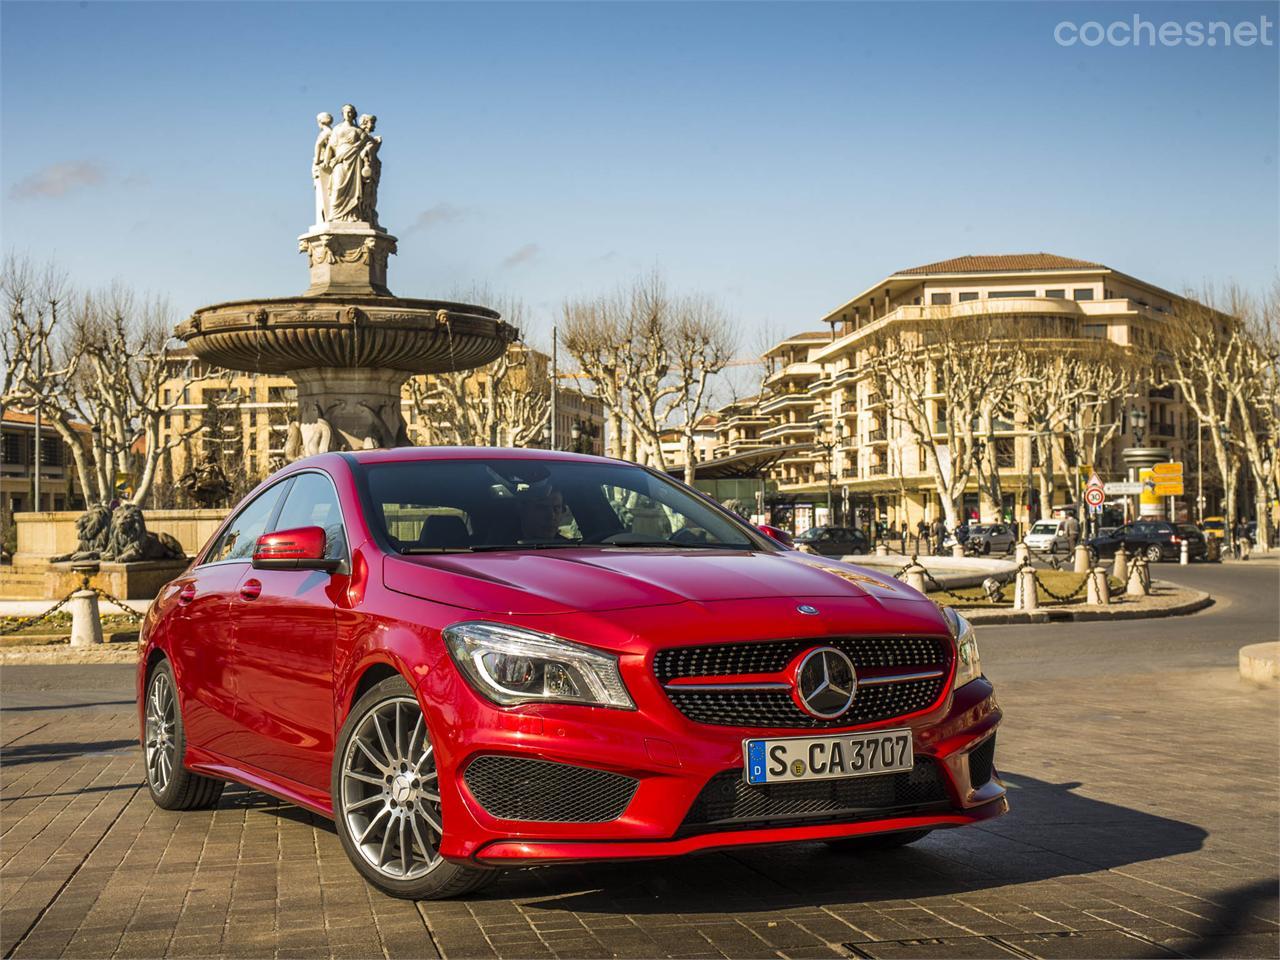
{"x": 1000, "y": 263}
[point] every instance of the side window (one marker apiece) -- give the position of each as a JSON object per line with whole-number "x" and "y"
{"x": 312, "y": 502}
{"x": 238, "y": 539}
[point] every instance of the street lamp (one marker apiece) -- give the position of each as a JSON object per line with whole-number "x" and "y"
{"x": 1138, "y": 423}
{"x": 829, "y": 447}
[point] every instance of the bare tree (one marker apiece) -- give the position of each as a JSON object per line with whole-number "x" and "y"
{"x": 1207, "y": 349}
{"x": 943, "y": 376}
{"x": 650, "y": 357}
{"x": 505, "y": 403}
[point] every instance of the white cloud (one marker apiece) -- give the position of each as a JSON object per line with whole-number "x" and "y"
{"x": 58, "y": 180}
{"x": 525, "y": 254}
{"x": 440, "y": 213}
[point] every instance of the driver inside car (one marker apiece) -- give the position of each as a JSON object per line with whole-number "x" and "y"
{"x": 542, "y": 511}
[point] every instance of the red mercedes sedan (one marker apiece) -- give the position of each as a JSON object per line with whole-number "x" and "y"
{"x": 474, "y": 658}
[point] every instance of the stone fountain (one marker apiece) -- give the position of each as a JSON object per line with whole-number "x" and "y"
{"x": 347, "y": 342}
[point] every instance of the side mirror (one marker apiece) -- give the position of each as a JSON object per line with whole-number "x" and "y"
{"x": 777, "y": 534}
{"x": 301, "y": 548}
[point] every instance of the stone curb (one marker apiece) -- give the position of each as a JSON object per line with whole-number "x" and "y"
{"x": 1196, "y": 602}
{"x": 1260, "y": 663}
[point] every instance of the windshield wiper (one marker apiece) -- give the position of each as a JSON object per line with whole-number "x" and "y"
{"x": 678, "y": 545}
{"x": 414, "y": 551}
{"x": 547, "y": 545}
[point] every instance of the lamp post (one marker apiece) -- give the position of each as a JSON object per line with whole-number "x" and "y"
{"x": 836, "y": 435}
{"x": 1138, "y": 457}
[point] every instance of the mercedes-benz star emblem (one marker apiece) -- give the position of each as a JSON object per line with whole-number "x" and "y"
{"x": 806, "y": 609}
{"x": 825, "y": 683}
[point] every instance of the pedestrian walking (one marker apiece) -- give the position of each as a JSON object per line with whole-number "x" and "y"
{"x": 1244, "y": 546}
{"x": 1071, "y": 530}
{"x": 940, "y": 534}
{"x": 922, "y": 536}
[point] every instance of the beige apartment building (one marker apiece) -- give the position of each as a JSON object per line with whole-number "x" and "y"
{"x": 820, "y": 399}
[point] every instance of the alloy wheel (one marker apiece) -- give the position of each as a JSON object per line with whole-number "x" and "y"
{"x": 390, "y": 792}
{"x": 161, "y": 744}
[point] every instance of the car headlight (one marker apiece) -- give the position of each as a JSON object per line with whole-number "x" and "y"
{"x": 511, "y": 665}
{"x": 969, "y": 666}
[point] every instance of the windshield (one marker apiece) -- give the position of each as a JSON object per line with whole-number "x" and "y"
{"x": 436, "y": 506}
{"x": 1045, "y": 528}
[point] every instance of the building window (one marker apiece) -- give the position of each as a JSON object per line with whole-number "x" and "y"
{"x": 1056, "y": 294}
{"x": 939, "y": 299}
{"x": 1098, "y": 330}
{"x": 1083, "y": 293}
{"x": 14, "y": 448}
{"x": 998, "y": 294}
{"x": 968, "y": 295}
{"x": 51, "y": 452}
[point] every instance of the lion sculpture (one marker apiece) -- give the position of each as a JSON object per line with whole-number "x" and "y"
{"x": 93, "y": 528}
{"x": 130, "y": 542}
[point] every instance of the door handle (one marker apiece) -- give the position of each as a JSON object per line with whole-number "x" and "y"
{"x": 251, "y": 589}
{"x": 187, "y": 594}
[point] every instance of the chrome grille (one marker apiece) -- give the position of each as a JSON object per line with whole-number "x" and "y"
{"x": 897, "y": 676}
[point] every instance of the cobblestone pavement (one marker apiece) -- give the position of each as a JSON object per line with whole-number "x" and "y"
{"x": 1145, "y": 823}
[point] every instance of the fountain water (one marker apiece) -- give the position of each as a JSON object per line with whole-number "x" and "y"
{"x": 347, "y": 342}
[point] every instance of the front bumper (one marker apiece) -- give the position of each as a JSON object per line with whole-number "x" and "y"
{"x": 671, "y": 760}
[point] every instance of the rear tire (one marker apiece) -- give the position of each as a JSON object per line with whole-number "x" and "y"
{"x": 388, "y": 789}
{"x": 877, "y": 841}
{"x": 1153, "y": 553}
{"x": 164, "y": 743}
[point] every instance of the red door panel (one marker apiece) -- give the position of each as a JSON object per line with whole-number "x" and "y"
{"x": 202, "y": 644}
{"x": 285, "y": 628}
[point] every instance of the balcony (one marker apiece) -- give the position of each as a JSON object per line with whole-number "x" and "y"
{"x": 791, "y": 398}
{"x": 878, "y": 470}
{"x": 878, "y": 435}
{"x": 802, "y": 431}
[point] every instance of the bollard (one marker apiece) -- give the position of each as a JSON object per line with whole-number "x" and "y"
{"x": 1139, "y": 582}
{"x": 1021, "y": 554}
{"x": 957, "y": 549}
{"x": 1099, "y": 594}
{"x": 1026, "y": 598}
{"x": 86, "y": 626}
{"x": 914, "y": 577}
{"x": 1082, "y": 559}
{"x": 1120, "y": 570}
{"x": 882, "y": 549}
{"x": 1183, "y": 557}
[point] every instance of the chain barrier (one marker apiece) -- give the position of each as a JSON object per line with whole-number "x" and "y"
{"x": 125, "y": 610}
{"x": 32, "y": 621}
{"x": 28, "y": 622}
{"x": 1061, "y": 597}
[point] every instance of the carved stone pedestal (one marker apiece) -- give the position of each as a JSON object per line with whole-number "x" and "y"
{"x": 350, "y": 408}
{"x": 347, "y": 257}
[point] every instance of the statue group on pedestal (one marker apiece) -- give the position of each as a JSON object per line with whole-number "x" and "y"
{"x": 345, "y": 168}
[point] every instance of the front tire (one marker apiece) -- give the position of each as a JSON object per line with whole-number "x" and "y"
{"x": 877, "y": 841}
{"x": 164, "y": 743}
{"x": 1153, "y": 553}
{"x": 386, "y": 799}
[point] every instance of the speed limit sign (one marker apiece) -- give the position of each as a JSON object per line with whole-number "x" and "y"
{"x": 1094, "y": 496}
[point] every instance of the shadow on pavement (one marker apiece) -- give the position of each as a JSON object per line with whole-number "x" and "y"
{"x": 42, "y": 752}
{"x": 1052, "y": 831}
{"x": 69, "y": 706}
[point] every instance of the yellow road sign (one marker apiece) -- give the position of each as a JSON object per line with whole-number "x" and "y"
{"x": 1168, "y": 488}
{"x": 1170, "y": 470}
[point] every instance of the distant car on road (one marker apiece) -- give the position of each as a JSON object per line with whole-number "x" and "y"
{"x": 1154, "y": 539}
{"x": 987, "y": 538}
{"x": 834, "y": 541}
{"x": 1047, "y": 536}
{"x": 1215, "y": 528}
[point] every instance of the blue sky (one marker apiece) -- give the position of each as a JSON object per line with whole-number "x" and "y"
{"x": 780, "y": 157}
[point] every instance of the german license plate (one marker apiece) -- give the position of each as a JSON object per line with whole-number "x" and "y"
{"x": 827, "y": 758}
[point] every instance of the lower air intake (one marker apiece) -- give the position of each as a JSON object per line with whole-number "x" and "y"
{"x": 982, "y": 762}
{"x": 729, "y": 802}
{"x": 518, "y": 788}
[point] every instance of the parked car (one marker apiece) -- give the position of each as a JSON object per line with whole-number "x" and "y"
{"x": 1047, "y": 536}
{"x": 473, "y": 659}
{"x": 1154, "y": 539}
{"x": 834, "y": 541}
{"x": 1215, "y": 528}
{"x": 987, "y": 538}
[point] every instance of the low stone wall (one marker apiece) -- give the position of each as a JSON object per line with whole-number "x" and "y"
{"x": 52, "y": 533}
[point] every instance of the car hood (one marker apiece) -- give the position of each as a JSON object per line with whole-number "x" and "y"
{"x": 596, "y": 579}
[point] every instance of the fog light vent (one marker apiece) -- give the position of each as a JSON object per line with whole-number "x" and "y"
{"x": 982, "y": 760}
{"x": 518, "y": 788}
